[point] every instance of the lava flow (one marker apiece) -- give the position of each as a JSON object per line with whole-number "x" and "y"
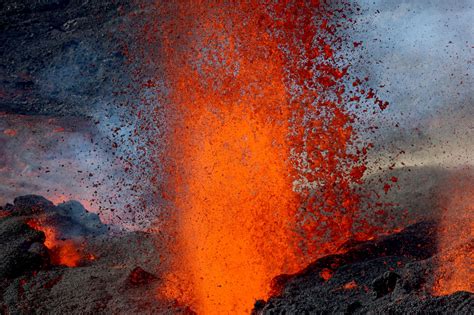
{"x": 62, "y": 252}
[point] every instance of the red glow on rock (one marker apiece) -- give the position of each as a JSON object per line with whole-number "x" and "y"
{"x": 326, "y": 274}
{"x": 62, "y": 252}
{"x": 350, "y": 285}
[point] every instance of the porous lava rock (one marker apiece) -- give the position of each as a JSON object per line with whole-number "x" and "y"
{"x": 118, "y": 279}
{"x": 21, "y": 249}
{"x": 390, "y": 275}
{"x": 70, "y": 219}
{"x": 138, "y": 276}
{"x": 30, "y": 205}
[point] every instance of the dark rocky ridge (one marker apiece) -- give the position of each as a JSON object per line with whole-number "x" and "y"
{"x": 22, "y": 248}
{"x": 390, "y": 275}
{"x": 70, "y": 219}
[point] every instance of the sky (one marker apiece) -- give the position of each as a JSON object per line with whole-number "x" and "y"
{"x": 422, "y": 53}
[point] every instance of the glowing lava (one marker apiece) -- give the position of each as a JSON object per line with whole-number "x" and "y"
{"x": 251, "y": 105}
{"x": 233, "y": 185}
{"x": 455, "y": 270}
{"x": 62, "y": 252}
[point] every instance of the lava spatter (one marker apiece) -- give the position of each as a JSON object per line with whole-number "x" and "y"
{"x": 258, "y": 158}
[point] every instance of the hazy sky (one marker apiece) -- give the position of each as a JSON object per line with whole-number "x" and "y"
{"x": 422, "y": 52}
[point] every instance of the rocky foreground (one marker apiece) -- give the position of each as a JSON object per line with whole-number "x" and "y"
{"x": 395, "y": 274}
{"x": 118, "y": 272}
{"x": 115, "y": 274}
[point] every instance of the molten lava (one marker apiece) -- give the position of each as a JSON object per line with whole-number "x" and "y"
{"x": 62, "y": 252}
{"x": 259, "y": 153}
{"x": 455, "y": 270}
{"x": 233, "y": 186}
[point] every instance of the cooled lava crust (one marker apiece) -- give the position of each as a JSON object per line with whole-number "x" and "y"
{"x": 391, "y": 275}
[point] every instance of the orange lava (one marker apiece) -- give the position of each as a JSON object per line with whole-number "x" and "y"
{"x": 232, "y": 186}
{"x": 10, "y": 132}
{"x": 326, "y": 274}
{"x": 256, "y": 144}
{"x": 350, "y": 285}
{"x": 62, "y": 252}
{"x": 455, "y": 270}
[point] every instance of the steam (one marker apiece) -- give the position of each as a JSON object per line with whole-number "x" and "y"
{"x": 63, "y": 159}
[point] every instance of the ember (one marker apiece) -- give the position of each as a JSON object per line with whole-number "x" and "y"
{"x": 230, "y": 158}
{"x": 350, "y": 285}
{"x": 326, "y": 274}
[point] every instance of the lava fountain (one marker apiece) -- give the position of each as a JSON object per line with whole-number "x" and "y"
{"x": 454, "y": 270}
{"x": 245, "y": 122}
{"x": 233, "y": 184}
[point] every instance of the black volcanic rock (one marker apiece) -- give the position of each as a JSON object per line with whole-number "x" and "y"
{"x": 391, "y": 275}
{"x": 30, "y": 205}
{"x": 385, "y": 283}
{"x": 109, "y": 283}
{"x": 70, "y": 219}
{"x": 21, "y": 247}
{"x": 138, "y": 276}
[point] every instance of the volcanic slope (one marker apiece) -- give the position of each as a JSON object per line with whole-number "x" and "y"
{"x": 394, "y": 274}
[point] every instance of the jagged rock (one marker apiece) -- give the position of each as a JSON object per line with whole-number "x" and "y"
{"x": 258, "y": 307}
{"x": 385, "y": 283}
{"x": 39, "y": 249}
{"x": 70, "y": 219}
{"x": 400, "y": 264}
{"x": 21, "y": 247}
{"x": 31, "y": 204}
{"x": 353, "y": 307}
{"x": 110, "y": 283}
